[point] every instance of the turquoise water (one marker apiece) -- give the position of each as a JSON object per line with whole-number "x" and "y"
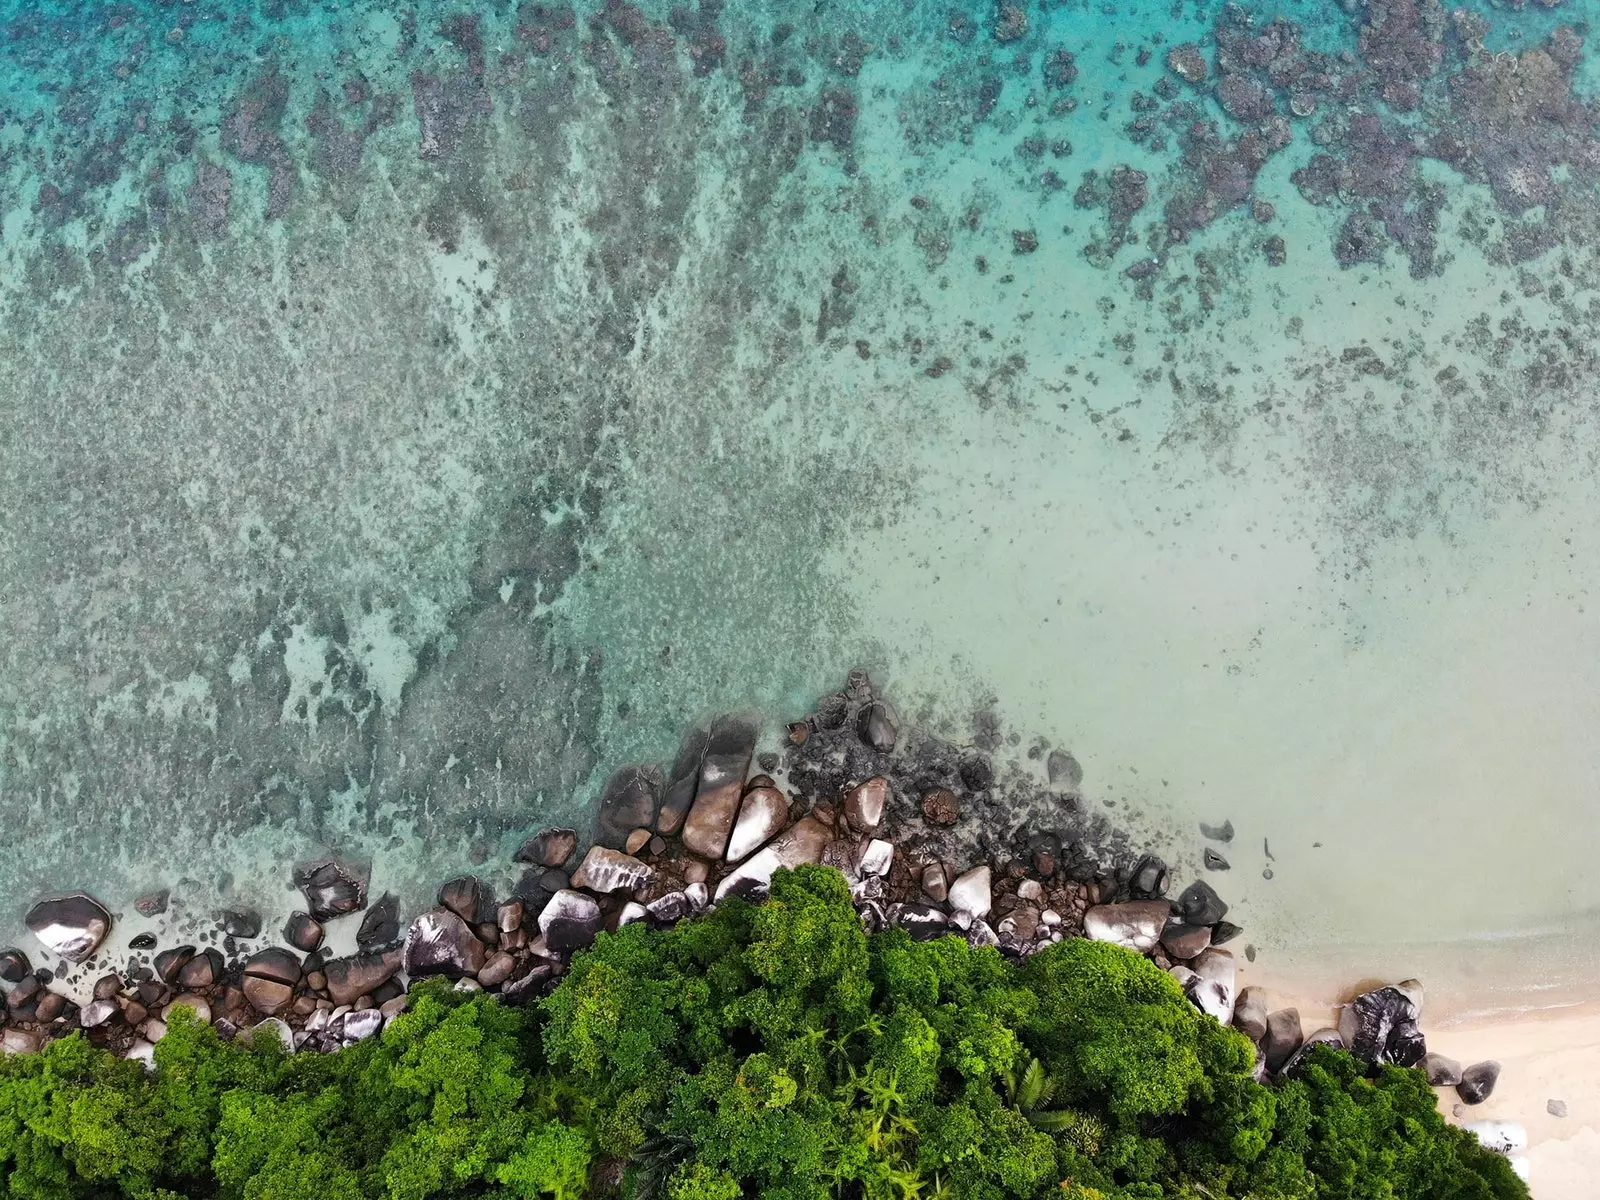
{"x": 411, "y": 415}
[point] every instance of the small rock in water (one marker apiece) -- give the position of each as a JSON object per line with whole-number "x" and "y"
{"x": 548, "y": 848}
{"x": 71, "y": 925}
{"x": 1063, "y": 769}
{"x": 1477, "y": 1082}
{"x": 239, "y": 922}
{"x": 1266, "y": 873}
{"x": 380, "y": 925}
{"x": 142, "y": 941}
{"x": 878, "y": 727}
{"x": 1215, "y": 861}
{"x": 939, "y": 808}
{"x": 1250, "y": 953}
{"x": 1201, "y": 905}
{"x": 14, "y": 965}
{"x": 152, "y": 904}
{"x": 1441, "y": 1071}
{"x": 303, "y": 932}
{"x": 1556, "y": 1108}
{"x": 1217, "y": 833}
{"x": 1224, "y": 931}
{"x": 332, "y": 888}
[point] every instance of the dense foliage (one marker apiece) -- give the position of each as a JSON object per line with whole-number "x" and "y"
{"x": 769, "y": 1051}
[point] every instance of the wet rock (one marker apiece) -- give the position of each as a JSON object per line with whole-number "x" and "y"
{"x": 803, "y": 842}
{"x": 380, "y": 924}
{"x": 239, "y": 922}
{"x": 1182, "y": 941}
{"x": 107, "y": 987}
{"x": 605, "y": 870}
{"x": 762, "y": 814}
{"x": 1381, "y": 1027}
{"x": 270, "y": 978}
{"x": 637, "y": 841}
{"x": 497, "y": 969}
{"x": 332, "y": 887}
{"x": 1477, "y": 1082}
{"x": 940, "y": 808}
{"x": 1284, "y": 1036}
{"x": 169, "y": 962}
{"x": 628, "y": 802}
{"x": 142, "y": 941}
{"x": 548, "y": 848}
{"x": 1441, "y": 1071}
{"x": 348, "y": 979}
{"x": 152, "y": 904}
{"x": 1215, "y": 991}
{"x": 1214, "y": 861}
{"x": 1201, "y": 905}
{"x": 200, "y": 971}
{"x": 71, "y": 925}
{"x": 722, "y": 774}
{"x": 1138, "y": 924}
{"x": 863, "y": 804}
{"x": 935, "y": 882}
{"x": 1063, "y": 770}
{"x": 303, "y": 932}
{"x": 14, "y": 965}
{"x": 1250, "y": 1014}
{"x": 569, "y": 922}
{"x": 465, "y": 896}
{"x": 1223, "y": 932}
{"x": 878, "y": 727}
{"x": 440, "y": 942}
{"x": 1150, "y": 879}
{"x": 972, "y": 891}
{"x": 922, "y": 921}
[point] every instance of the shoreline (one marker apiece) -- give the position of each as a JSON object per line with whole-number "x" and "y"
{"x": 913, "y": 823}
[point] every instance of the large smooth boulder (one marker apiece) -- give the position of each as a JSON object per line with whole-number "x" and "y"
{"x": 439, "y": 942}
{"x": 569, "y": 922}
{"x": 1440, "y": 1070}
{"x": 627, "y": 802}
{"x": 466, "y": 896}
{"x": 355, "y": 976}
{"x": 1284, "y": 1036}
{"x": 864, "y": 804}
{"x": 762, "y": 815}
{"x": 72, "y": 924}
{"x": 802, "y": 842}
{"x": 972, "y": 891}
{"x": 606, "y": 870}
{"x": 1214, "y": 989}
{"x": 548, "y": 848}
{"x": 1381, "y": 1027}
{"x": 678, "y": 796}
{"x": 1138, "y": 924}
{"x": 878, "y": 727}
{"x": 270, "y": 977}
{"x": 332, "y": 887}
{"x": 1201, "y": 905}
{"x": 1477, "y": 1082}
{"x": 1182, "y": 941}
{"x": 730, "y": 747}
{"x": 303, "y": 931}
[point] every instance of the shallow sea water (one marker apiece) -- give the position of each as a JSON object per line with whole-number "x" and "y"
{"x": 407, "y": 416}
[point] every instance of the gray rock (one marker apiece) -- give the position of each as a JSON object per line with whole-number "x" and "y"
{"x": 669, "y": 909}
{"x": 1477, "y": 1082}
{"x": 548, "y": 848}
{"x": 698, "y": 895}
{"x": 239, "y": 922}
{"x": 1149, "y": 879}
{"x": 71, "y": 925}
{"x": 628, "y": 802}
{"x": 96, "y": 1013}
{"x": 1215, "y": 990}
{"x": 1063, "y": 770}
{"x": 303, "y": 932}
{"x": 1381, "y": 1027}
{"x": 1556, "y": 1108}
{"x": 360, "y": 974}
{"x": 439, "y": 942}
{"x": 874, "y": 919}
{"x": 152, "y": 904}
{"x": 762, "y": 815}
{"x": 1182, "y": 941}
{"x": 802, "y": 842}
{"x": 14, "y": 965}
{"x": 685, "y": 779}
{"x": 877, "y": 856}
{"x": 359, "y": 1026}
{"x": 1137, "y": 924}
{"x": 972, "y": 891}
{"x": 980, "y": 934}
{"x": 922, "y": 921}
{"x": 864, "y": 804}
{"x": 1284, "y": 1037}
{"x": 1217, "y": 833}
{"x": 380, "y": 924}
{"x": 569, "y": 922}
{"x": 605, "y": 870}
{"x": 332, "y": 887}
{"x": 1214, "y": 861}
{"x": 632, "y": 913}
{"x": 1201, "y": 905}
{"x": 878, "y": 727}
{"x": 1441, "y": 1071}
{"x": 465, "y": 896}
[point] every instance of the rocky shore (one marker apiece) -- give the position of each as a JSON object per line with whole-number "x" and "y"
{"x": 927, "y": 840}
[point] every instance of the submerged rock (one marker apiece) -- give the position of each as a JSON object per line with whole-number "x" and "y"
{"x": 380, "y": 924}
{"x": 548, "y": 848}
{"x": 1201, "y": 905}
{"x": 303, "y": 932}
{"x": 628, "y": 802}
{"x": 72, "y": 925}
